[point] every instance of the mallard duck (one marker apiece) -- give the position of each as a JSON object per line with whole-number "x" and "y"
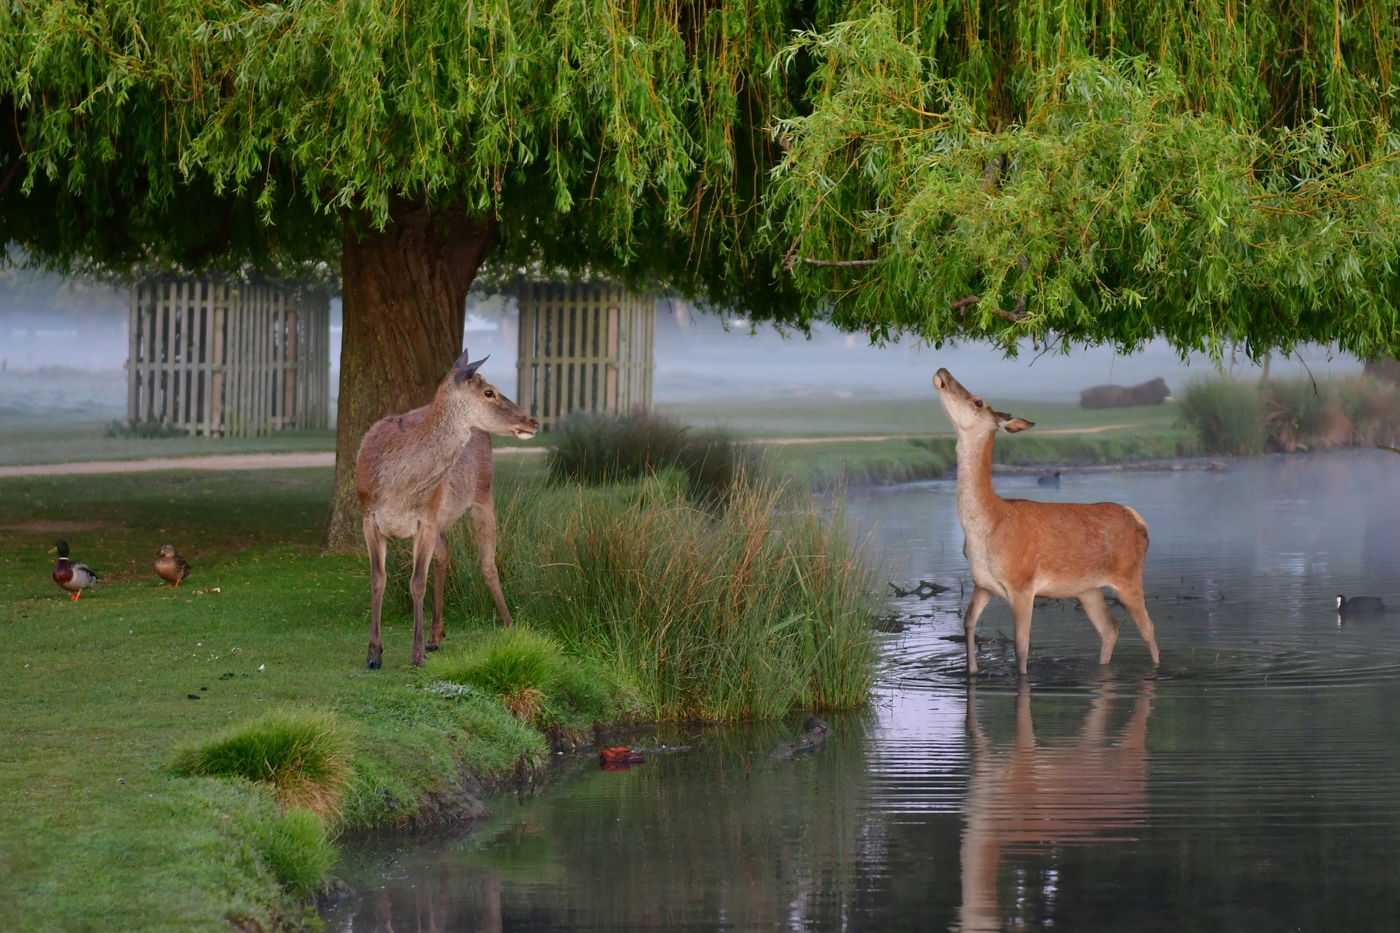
{"x": 171, "y": 566}
{"x": 1359, "y": 605}
{"x": 73, "y": 577}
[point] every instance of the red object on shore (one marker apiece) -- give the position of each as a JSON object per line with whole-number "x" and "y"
{"x": 619, "y": 759}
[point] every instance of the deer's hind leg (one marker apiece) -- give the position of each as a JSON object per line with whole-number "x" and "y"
{"x": 1130, "y": 595}
{"x": 439, "y": 583}
{"x": 483, "y": 515}
{"x": 1097, "y": 611}
{"x": 376, "y": 544}
{"x": 1022, "y": 606}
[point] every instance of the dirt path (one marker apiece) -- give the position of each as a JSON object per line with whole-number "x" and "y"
{"x": 286, "y": 461}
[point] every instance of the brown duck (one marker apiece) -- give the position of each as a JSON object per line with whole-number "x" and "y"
{"x": 171, "y": 566}
{"x": 70, "y": 575}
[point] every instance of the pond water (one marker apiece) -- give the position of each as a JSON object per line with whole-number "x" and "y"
{"x": 1251, "y": 782}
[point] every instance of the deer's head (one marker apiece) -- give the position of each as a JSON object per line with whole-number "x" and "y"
{"x": 970, "y": 414}
{"x": 485, "y": 407}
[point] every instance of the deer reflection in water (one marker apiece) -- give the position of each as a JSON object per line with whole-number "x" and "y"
{"x": 1030, "y": 797}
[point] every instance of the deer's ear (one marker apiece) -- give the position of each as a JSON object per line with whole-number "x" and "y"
{"x": 1011, "y": 425}
{"x": 464, "y": 370}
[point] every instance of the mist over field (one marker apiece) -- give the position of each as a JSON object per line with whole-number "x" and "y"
{"x": 47, "y": 322}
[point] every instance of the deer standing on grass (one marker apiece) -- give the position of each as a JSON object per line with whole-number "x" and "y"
{"x": 419, "y": 472}
{"x": 1018, "y": 549}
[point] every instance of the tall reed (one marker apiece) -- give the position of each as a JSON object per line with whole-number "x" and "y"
{"x": 745, "y": 612}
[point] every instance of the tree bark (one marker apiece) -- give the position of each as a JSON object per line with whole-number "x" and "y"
{"x": 404, "y": 292}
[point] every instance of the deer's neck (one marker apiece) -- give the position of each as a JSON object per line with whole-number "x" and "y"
{"x": 439, "y": 440}
{"x": 977, "y": 503}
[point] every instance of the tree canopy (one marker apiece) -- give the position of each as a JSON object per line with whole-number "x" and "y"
{"x": 221, "y": 132}
{"x": 1100, "y": 172}
{"x": 1085, "y": 170}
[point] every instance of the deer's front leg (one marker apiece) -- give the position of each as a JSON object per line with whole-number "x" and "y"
{"x": 980, "y": 597}
{"x": 439, "y": 581}
{"x": 423, "y": 544}
{"x": 376, "y": 544}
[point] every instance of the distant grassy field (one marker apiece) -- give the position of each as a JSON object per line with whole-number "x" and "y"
{"x": 85, "y": 441}
{"x": 828, "y": 416}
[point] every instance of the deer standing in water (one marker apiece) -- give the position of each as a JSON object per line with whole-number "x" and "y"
{"x": 419, "y": 472}
{"x": 1018, "y": 549}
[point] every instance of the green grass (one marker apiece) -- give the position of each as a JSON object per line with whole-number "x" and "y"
{"x": 304, "y": 757}
{"x": 532, "y": 676}
{"x": 295, "y": 847}
{"x": 99, "y": 833}
{"x": 744, "y": 613}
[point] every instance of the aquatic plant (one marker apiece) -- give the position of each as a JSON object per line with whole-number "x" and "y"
{"x": 303, "y": 757}
{"x": 744, "y": 613}
{"x": 599, "y": 448}
{"x": 295, "y": 846}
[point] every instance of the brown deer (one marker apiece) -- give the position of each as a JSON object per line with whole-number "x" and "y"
{"x": 1018, "y": 549}
{"x": 1035, "y": 797}
{"x": 419, "y": 472}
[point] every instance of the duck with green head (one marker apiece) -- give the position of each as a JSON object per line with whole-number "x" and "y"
{"x": 70, "y": 575}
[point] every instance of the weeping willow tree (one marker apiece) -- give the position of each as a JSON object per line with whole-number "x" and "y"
{"x": 398, "y": 145}
{"x": 1098, "y": 172}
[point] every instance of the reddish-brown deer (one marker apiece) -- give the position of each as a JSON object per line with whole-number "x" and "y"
{"x": 417, "y": 473}
{"x": 1018, "y": 549}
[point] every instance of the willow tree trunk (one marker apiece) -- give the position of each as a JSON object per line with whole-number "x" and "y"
{"x": 404, "y": 292}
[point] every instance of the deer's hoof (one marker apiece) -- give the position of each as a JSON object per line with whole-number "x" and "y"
{"x": 372, "y": 664}
{"x": 431, "y": 648}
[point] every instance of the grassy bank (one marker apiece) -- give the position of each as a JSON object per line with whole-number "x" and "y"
{"x": 181, "y": 759}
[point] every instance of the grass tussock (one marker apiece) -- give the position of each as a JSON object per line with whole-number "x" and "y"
{"x": 1287, "y": 415}
{"x": 595, "y": 448}
{"x": 303, "y": 757}
{"x": 297, "y": 849}
{"x": 532, "y": 676}
{"x": 745, "y": 613}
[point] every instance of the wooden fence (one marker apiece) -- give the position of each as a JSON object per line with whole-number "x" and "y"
{"x": 584, "y": 347}
{"x": 233, "y": 359}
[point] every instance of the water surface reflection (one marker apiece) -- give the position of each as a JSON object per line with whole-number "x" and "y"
{"x": 1251, "y": 782}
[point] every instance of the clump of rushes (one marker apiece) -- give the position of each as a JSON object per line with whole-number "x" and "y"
{"x": 1286, "y": 415}
{"x": 763, "y": 607}
{"x": 532, "y": 677}
{"x": 595, "y": 448}
{"x": 303, "y": 757}
{"x": 1228, "y": 415}
{"x": 295, "y": 847}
